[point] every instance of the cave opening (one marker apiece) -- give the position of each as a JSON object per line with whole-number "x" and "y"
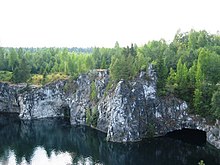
{"x": 192, "y": 136}
{"x": 66, "y": 112}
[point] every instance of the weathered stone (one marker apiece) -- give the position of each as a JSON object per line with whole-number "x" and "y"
{"x": 8, "y": 98}
{"x": 130, "y": 111}
{"x": 74, "y": 95}
{"x": 133, "y": 111}
{"x": 43, "y": 102}
{"x": 80, "y": 101}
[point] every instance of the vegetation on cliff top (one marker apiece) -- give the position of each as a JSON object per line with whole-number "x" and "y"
{"x": 188, "y": 67}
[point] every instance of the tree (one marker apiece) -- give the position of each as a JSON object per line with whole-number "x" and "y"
{"x": 3, "y": 64}
{"x": 216, "y": 103}
{"x": 93, "y": 93}
{"x": 171, "y": 84}
{"x": 122, "y": 66}
{"x": 182, "y": 79}
{"x": 114, "y": 69}
{"x": 191, "y": 75}
{"x": 202, "y": 38}
{"x": 13, "y": 58}
{"x": 97, "y": 58}
{"x": 90, "y": 62}
{"x": 22, "y": 72}
{"x": 133, "y": 50}
{"x": 162, "y": 74}
{"x": 193, "y": 39}
{"x": 141, "y": 62}
{"x": 198, "y": 91}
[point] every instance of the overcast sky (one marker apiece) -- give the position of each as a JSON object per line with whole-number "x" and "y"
{"x": 85, "y": 23}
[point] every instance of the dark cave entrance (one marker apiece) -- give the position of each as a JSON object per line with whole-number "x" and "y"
{"x": 192, "y": 136}
{"x": 66, "y": 112}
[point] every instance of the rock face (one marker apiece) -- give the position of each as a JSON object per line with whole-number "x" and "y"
{"x": 43, "y": 102}
{"x": 212, "y": 130}
{"x": 80, "y": 101}
{"x": 128, "y": 111}
{"x": 64, "y": 97}
{"x": 8, "y": 98}
{"x": 133, "y": 111}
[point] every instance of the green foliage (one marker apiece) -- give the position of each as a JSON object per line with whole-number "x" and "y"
{"x": 122, "y": 68}
{"x": 197, "y": 70}
{"x": 109, "y": 87}
{"x": 5, "y": 76}
{"x": 162, "y": 73}
{"x": 92, "y": 117}
{"x": 150, "y": 130}
{"x": 216, "y": 103}
{"x": 198, "y": 101}
{"x": 22, "y": 72}
{"x": 171, "y": 85}
{"x": 88, "y": 116}
{"x": 44, "y": 61}
{"x": 36, "y": 79}
{"x": 188, "y": 67}
{"x": 123, "y": 65}
{"x": 13, "y": 59}
{"x": 54, "y": 77}
{"x": 141, "y": 61}
{"x": 93, "y": 93}
{"x": 181, "y": 75}
{"x": 70, "y": 86}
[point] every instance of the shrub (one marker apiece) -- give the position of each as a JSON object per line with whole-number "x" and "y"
{"x": 36, "y": 79}
{"x": 54, "y": 77}
{"x": 92, "y": 117}
{"x": 93, "y": 93}
{"x": 5, "y": 76}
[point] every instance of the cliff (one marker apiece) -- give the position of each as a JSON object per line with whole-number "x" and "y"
{"x": 126, "y": 111}
{"x": 8, "y": 98}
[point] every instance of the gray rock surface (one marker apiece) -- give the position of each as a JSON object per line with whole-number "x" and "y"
{"x": 133, "y": 111}
{"x": 128, "y": 111}
{"x": 43, "y": 102}
{"x": 8, "y": 98}
{"x": 80, "y": 100}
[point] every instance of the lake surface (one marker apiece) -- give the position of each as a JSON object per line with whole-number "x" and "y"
{"x": 55, "y": 142}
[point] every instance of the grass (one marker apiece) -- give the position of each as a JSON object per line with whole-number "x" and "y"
{"x": 54, "y": 77}
{"x": 38, "y": 79}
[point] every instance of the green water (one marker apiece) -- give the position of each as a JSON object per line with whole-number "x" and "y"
{"x": 54, "y": 141}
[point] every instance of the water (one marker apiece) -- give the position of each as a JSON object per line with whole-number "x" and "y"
{"x": 54, "y": 141}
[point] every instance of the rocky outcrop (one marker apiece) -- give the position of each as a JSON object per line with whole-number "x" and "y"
{"x": 133, "y": 111}
{"x": 212, "y": 130}
{"x": 81, "y": 101}
{"x": 8, "y": 98}
{"x": 54, "y": 100}
{"x": 43, "y": 102}
{"x": 126, "y": 111}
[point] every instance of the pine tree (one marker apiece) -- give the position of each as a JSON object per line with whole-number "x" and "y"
{"x": 22, "y": 72}
{"x": 198, "y": 90}
{"x": 171, "y": 84}
{"x": 216, "y": 103}
{"x": 161, "y": 75}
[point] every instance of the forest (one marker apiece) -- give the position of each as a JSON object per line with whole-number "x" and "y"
{"x": 188, "y": 67}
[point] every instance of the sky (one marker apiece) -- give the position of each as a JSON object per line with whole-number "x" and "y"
{"x": 89, "y": 23}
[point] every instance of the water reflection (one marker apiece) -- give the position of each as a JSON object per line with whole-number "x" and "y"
{"x": 54, "y": 141}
